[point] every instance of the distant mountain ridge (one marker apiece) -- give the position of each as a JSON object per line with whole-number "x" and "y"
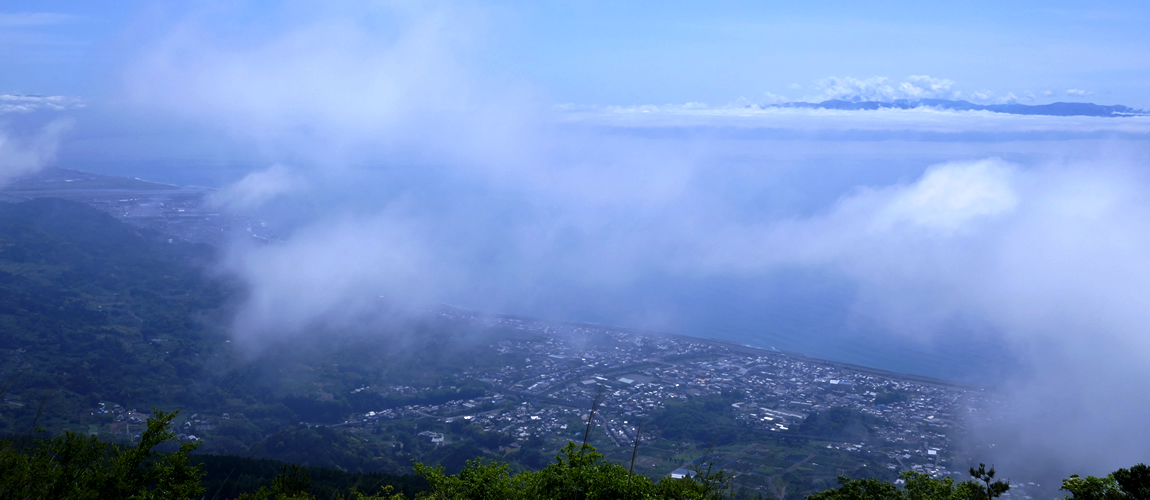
{"x": 1052, "y": 109}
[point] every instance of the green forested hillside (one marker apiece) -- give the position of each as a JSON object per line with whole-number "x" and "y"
{"x": 96, "y": 314}
{"x": 93, "y": 310}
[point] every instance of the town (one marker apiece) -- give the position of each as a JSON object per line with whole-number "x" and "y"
{"x": 627, "y": 376}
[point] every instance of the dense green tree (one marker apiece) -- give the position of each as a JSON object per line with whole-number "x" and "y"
{"x": 860, "y": 489}
{"x": 480, "y": 480}
{"x": 921, "y": 486}
{"x": 578, "y": 473}
{"x": 993, "y": 488}
{"x": 294, "y": 481}
{"x": 227, "y": 476}
{"x": 1135, "y": 481}
{"x": 72, "y": 466}
{"x": 1092, "y": 488}
{"x": 918, "y": 487}
{"x": 1122, "y": 484}
{"x": 291, "y": 484}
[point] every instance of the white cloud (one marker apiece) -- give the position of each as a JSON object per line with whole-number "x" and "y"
{"x": 22, "y": 155}
{"x": 258, "y": 188}
{"x": 1079, "y": 92}
{"x": 1051, "y": 257}
{"x": 950, "y": 203}
{"x": 345, "y": 273}
{"x": 986, "y": 97}
{"x": 882, "y": 89}
{"x": 950, "y": 197}
{"x": 334, "y": 85}
{"x": 329, "y": 94}
{"x": 12, "y": 103}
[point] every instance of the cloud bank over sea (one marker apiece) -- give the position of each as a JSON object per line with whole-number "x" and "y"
{"x": 924, "y": 119}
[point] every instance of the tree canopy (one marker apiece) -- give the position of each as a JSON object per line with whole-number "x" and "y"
{"x": 72, "y": 466}
{"x": 918, "y": 486}
{"x": 1122, "y": 484}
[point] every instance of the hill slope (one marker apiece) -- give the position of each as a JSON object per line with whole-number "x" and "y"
{"x": 92, "y": 309}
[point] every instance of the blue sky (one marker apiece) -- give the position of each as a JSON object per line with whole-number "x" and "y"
{"x": 710, "y": 51}
{"x": 659, "y": 52}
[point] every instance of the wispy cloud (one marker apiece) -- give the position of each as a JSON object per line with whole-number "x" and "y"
{"x": 1079, "y": 93}
{"x": 332, "y": 83}
{"x": 14, "y": 103}
{"x": 882, "y": 89}
{"x": 23, "y": 154}
{"x": 258, "y": 188}
{"x": 344, "y": 274}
